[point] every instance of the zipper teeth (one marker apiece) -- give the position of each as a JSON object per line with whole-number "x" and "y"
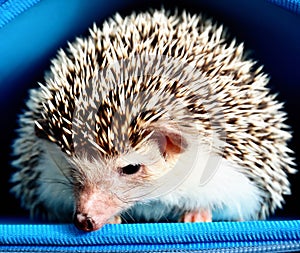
{"x": 287, "y": 247}
{"x": 10, "y": 9}
{"x": 160, "y": 233}
{"x": 270, "y": 236}
{"x": 291, "y": 5}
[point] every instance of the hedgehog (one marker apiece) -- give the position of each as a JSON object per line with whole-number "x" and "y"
{"x": 156, "y": 115}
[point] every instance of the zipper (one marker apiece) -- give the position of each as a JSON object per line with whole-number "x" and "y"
{"x": 251, "y": 236}
{"x": 9, "y": 9}
{"x": 290, "y": 5}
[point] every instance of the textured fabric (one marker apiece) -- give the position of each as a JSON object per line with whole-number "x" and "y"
{"x": 12, "y": 8}
{"x": 291, "y": 5}
{"x": 272, "y": 236}
{"x": 263, "y": 236}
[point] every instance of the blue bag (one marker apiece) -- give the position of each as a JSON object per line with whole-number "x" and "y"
{"x": 258, "y": 236}
{"x": 31, "y": 31}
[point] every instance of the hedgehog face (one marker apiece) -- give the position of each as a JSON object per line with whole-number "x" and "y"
{"x": 104, "y": 187}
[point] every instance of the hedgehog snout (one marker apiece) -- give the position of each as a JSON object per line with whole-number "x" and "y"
{"x": 94, "y": 208}
{"x": 84, "y": 222}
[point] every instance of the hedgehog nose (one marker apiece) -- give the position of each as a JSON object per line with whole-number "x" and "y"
{"x": 84, "y": 222}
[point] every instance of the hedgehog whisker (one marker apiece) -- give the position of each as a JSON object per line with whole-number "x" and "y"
{"x": 61, "y": 169}
{"x": 128, "y": 213}
{"x": 123, "y": 199}
{"x": 57, "y": 181}
{"x": 145, "y": 194}
{"x": 123, "y": 218}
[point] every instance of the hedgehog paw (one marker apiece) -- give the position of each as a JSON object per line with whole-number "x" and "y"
{"x": 202, "y": 215}
{"x": 115, "y": 220}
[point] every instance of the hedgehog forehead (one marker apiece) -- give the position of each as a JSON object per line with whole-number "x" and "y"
{"x": 120, "y": 126}
{"x": 125, "y": 113}
{"x": 115, "y": 121}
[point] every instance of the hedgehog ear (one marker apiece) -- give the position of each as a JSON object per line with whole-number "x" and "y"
{"x": 170, "y": 142}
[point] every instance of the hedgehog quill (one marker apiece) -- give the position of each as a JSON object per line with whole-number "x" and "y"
{"x": 152, "y": 115}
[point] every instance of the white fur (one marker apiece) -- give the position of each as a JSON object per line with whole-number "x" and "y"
{"x": 226, "y": 191}
{"x": 54, "y": 189}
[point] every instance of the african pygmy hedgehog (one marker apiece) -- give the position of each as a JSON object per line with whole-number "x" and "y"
{"x": 151, "y": 115}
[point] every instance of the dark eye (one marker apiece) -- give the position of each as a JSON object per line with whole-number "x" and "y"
{"x": 130, "y": 169}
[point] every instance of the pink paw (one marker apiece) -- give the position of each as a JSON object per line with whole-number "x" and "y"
{"x": 115, "y": 220}
{"x": 202, "y": 215}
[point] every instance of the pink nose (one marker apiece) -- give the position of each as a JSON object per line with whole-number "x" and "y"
{"x": 84, "y": 222}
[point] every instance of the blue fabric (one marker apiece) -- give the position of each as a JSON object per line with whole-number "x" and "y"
{"x": 253, "y": 236}
{"x": 56, "y": 21}
{"x": 12, "y": 8}
{"x": 291, "y": 5}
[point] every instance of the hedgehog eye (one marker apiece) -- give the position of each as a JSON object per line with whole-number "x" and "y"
{"x": 130, "y": 169}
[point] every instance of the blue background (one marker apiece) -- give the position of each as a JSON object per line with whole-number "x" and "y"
{"x": 28, "y": 42}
